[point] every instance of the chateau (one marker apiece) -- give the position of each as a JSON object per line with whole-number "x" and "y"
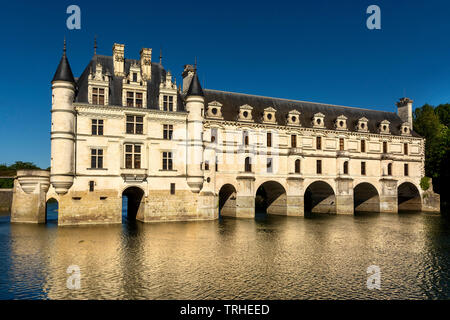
{"x": 180, "y": 152}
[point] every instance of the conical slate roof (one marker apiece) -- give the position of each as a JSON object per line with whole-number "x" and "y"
{"x": 64, "y": 72}
{"x": 195, "y": 89}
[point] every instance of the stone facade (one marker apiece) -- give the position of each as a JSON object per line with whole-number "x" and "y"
{"x": 181, "y": 154}
{"x": 5, "y": 200}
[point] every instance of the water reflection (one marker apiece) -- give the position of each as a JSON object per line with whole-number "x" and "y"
{"x": 324, "y": 257}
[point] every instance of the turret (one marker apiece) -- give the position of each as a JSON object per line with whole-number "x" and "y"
{"x": 404, "y": 110}
{"x": 63, "y": 127}
{"x": 194, "y": 106}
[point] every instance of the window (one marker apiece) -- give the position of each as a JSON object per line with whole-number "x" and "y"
{"x": 206, "y": 165}
{"x": 213, "y": 135}
{"x": 363, "y": 145}
{"x": 297, "y": 166}
{"x": 405, "y": 148}
{"x": 134, "y": 77}
{"x": 363, "y": 168}
{"x": 389, "y": 169}
{"x": 97, "y": 158}
{"x": 97, "y": 127}
{"x": 346, "y": 167}
{"x": 269, "y": 165}
{"x": 134, "y": 99}
{"x": 132, "y": 156}
{"x": 319, "y": 143}
{"x": 91, "y": 186}
{"x": 168, "y": 103}
{"x": 269, "y": 139}
{"x": 293, "y": 141}
{"x": 385, "y": 148}
{"x": 319, "y": 166}
{"x": 167, "y": 161}
{"x": 341, "y": 144}
{"x": 98, "y": 96}
{"x": 167, "y": 131}
{"x": 172, "y": 188}
{"x": 138, "y": 99}
{"x": 406, "y": 169}
{"x": 135, "y": 124}
{"x": 248, "y": 165}
{"x": 245, "y": 138}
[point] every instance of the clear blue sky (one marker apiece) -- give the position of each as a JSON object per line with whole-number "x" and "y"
{"x": 313, "y": 50}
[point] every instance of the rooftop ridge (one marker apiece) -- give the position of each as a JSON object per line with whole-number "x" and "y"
{"x": 292, "y": 100}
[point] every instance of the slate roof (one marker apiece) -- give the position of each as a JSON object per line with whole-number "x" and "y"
{"x": 195, "y": 89}
{"x": 64, "y": 72}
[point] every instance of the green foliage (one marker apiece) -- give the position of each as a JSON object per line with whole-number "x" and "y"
{"x": 6, "y": 183}
{"x": 425, "y": 183}
{"x": 10, "y": 171}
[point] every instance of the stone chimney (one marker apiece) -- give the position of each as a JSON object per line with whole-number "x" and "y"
{"x": 187, "y": 74}
{"x": 119, "y": 59}
{"x": 404, "y": 110}
{"x": 146, "y": 63}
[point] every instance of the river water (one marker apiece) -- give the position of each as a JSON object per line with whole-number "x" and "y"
{"x": 323, "y": 257}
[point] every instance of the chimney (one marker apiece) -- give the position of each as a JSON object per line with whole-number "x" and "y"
{"x": 146, "y": 63}
{"x": 119, "y": 58}
{"x": 187, "y": 74}
{"x": 404, "y": 110}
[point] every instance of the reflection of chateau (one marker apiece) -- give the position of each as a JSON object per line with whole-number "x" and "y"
{"x": 124, "y": 127}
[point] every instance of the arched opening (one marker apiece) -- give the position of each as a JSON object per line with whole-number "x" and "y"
{"x": 366, "y": 198}
{"x": 227, "y": 201}
{"x": 271, "y": 199}
{"x": 51, "y": 211}
{"x": 346, "y": 167}
{"x": 132, "y": 204}
{"x": 319, "y": 198}
{"x": 409, "y": 197}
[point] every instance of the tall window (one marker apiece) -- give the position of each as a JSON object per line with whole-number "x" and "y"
{"x": 132, "y": 156}
{"x": 245, "y": 138}
{"x": 134, "y": 99}
{"x": 96, "y": 158}
{"x": 297, "y": 166}
{"x": 389, "y": 169}
{"x": 168, "y": 103}
{"x": 98, "y": 96}
{"x": 318, "y": 143}
{"x": 385, "y": 149}
{"x": 135, "y": 124}
{"x": 91, "y": 186}
{"x": 213, "y": 135}
{"x": 167, "y": 131}
{"x": 405, "y": 148}
{"x": 319, "y": 166}
{"x": 406, "y": 169}
{"x": 134, "y": 77}
{"x": 167, "y": 161}
{"x": 269, "y": 165}
{"x": 172, "y": 188}
{"x": 363, "y": 168}
{"x": 341, "y": 144}
{"x": 346, "y": 167}
{"x": 363, "y": 145}
{"x": 206, "y": 165}
{"x": 269, "y": 139}
{"x": 248, "y": 165}
{"x": 97, "y": 127}
{"x": 294, "y": 141}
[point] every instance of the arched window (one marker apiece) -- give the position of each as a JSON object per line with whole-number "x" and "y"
{"x": 346, "y": 167}
{"x": 389, "y": 169}
{"x": 297, "y": 166}
{"x": 248, "y": 165}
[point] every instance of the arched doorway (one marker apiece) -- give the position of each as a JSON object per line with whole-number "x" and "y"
{"x": 319, "y": 198}
{"x": 271, "y": 199}
{"x": 409, "y": 197}
{"x": 366, "y": 198}
{"x": 132, "y": 204}
{"x": 227, "y": 201}
{"x": 51, "y": 210}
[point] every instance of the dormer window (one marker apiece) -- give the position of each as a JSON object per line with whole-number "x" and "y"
{"x": 98, "y": 85}
{"x": 98, "y": 96}
{"x": 214, "y": 110}
{"x": 134, "y": 99}
{"x": 167, "y": 103}
{"x": 341, "y": 123}
{"x": 168, "y": 94}
{"x": 384, "y": 127}
{"x": 269, "y": 115}
{"x": 134, "y": 92}
{"x": 293, "y": 118}
{"x": 245, "y": 113}
{"x": 362, "y": 125}
{"x": 405, "y": 129}
{"x": 134, "y": 77}
{"x": 318, "y": 120}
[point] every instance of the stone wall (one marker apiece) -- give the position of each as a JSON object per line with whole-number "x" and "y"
{"x": 6, "y": 196}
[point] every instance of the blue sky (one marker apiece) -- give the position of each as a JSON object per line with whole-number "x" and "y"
{"x": 313, "y": 50}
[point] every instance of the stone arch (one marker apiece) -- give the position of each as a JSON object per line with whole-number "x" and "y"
{"x": 134, "y": 203}
{"x": 366, "y": 198}
{"x": 51, "y": 210}
{"x": 227, "y": 200}
{"x": 320, "y": 198}
{"x": 271, "y": 198}
{"x": 409, "y": 198}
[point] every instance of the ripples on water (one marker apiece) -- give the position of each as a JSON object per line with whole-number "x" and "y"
{"x": 324, "y": 257}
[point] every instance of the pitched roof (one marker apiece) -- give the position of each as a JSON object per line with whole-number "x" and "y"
{"x": 64, "y": 72}
{"x": 195, "y": 89}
